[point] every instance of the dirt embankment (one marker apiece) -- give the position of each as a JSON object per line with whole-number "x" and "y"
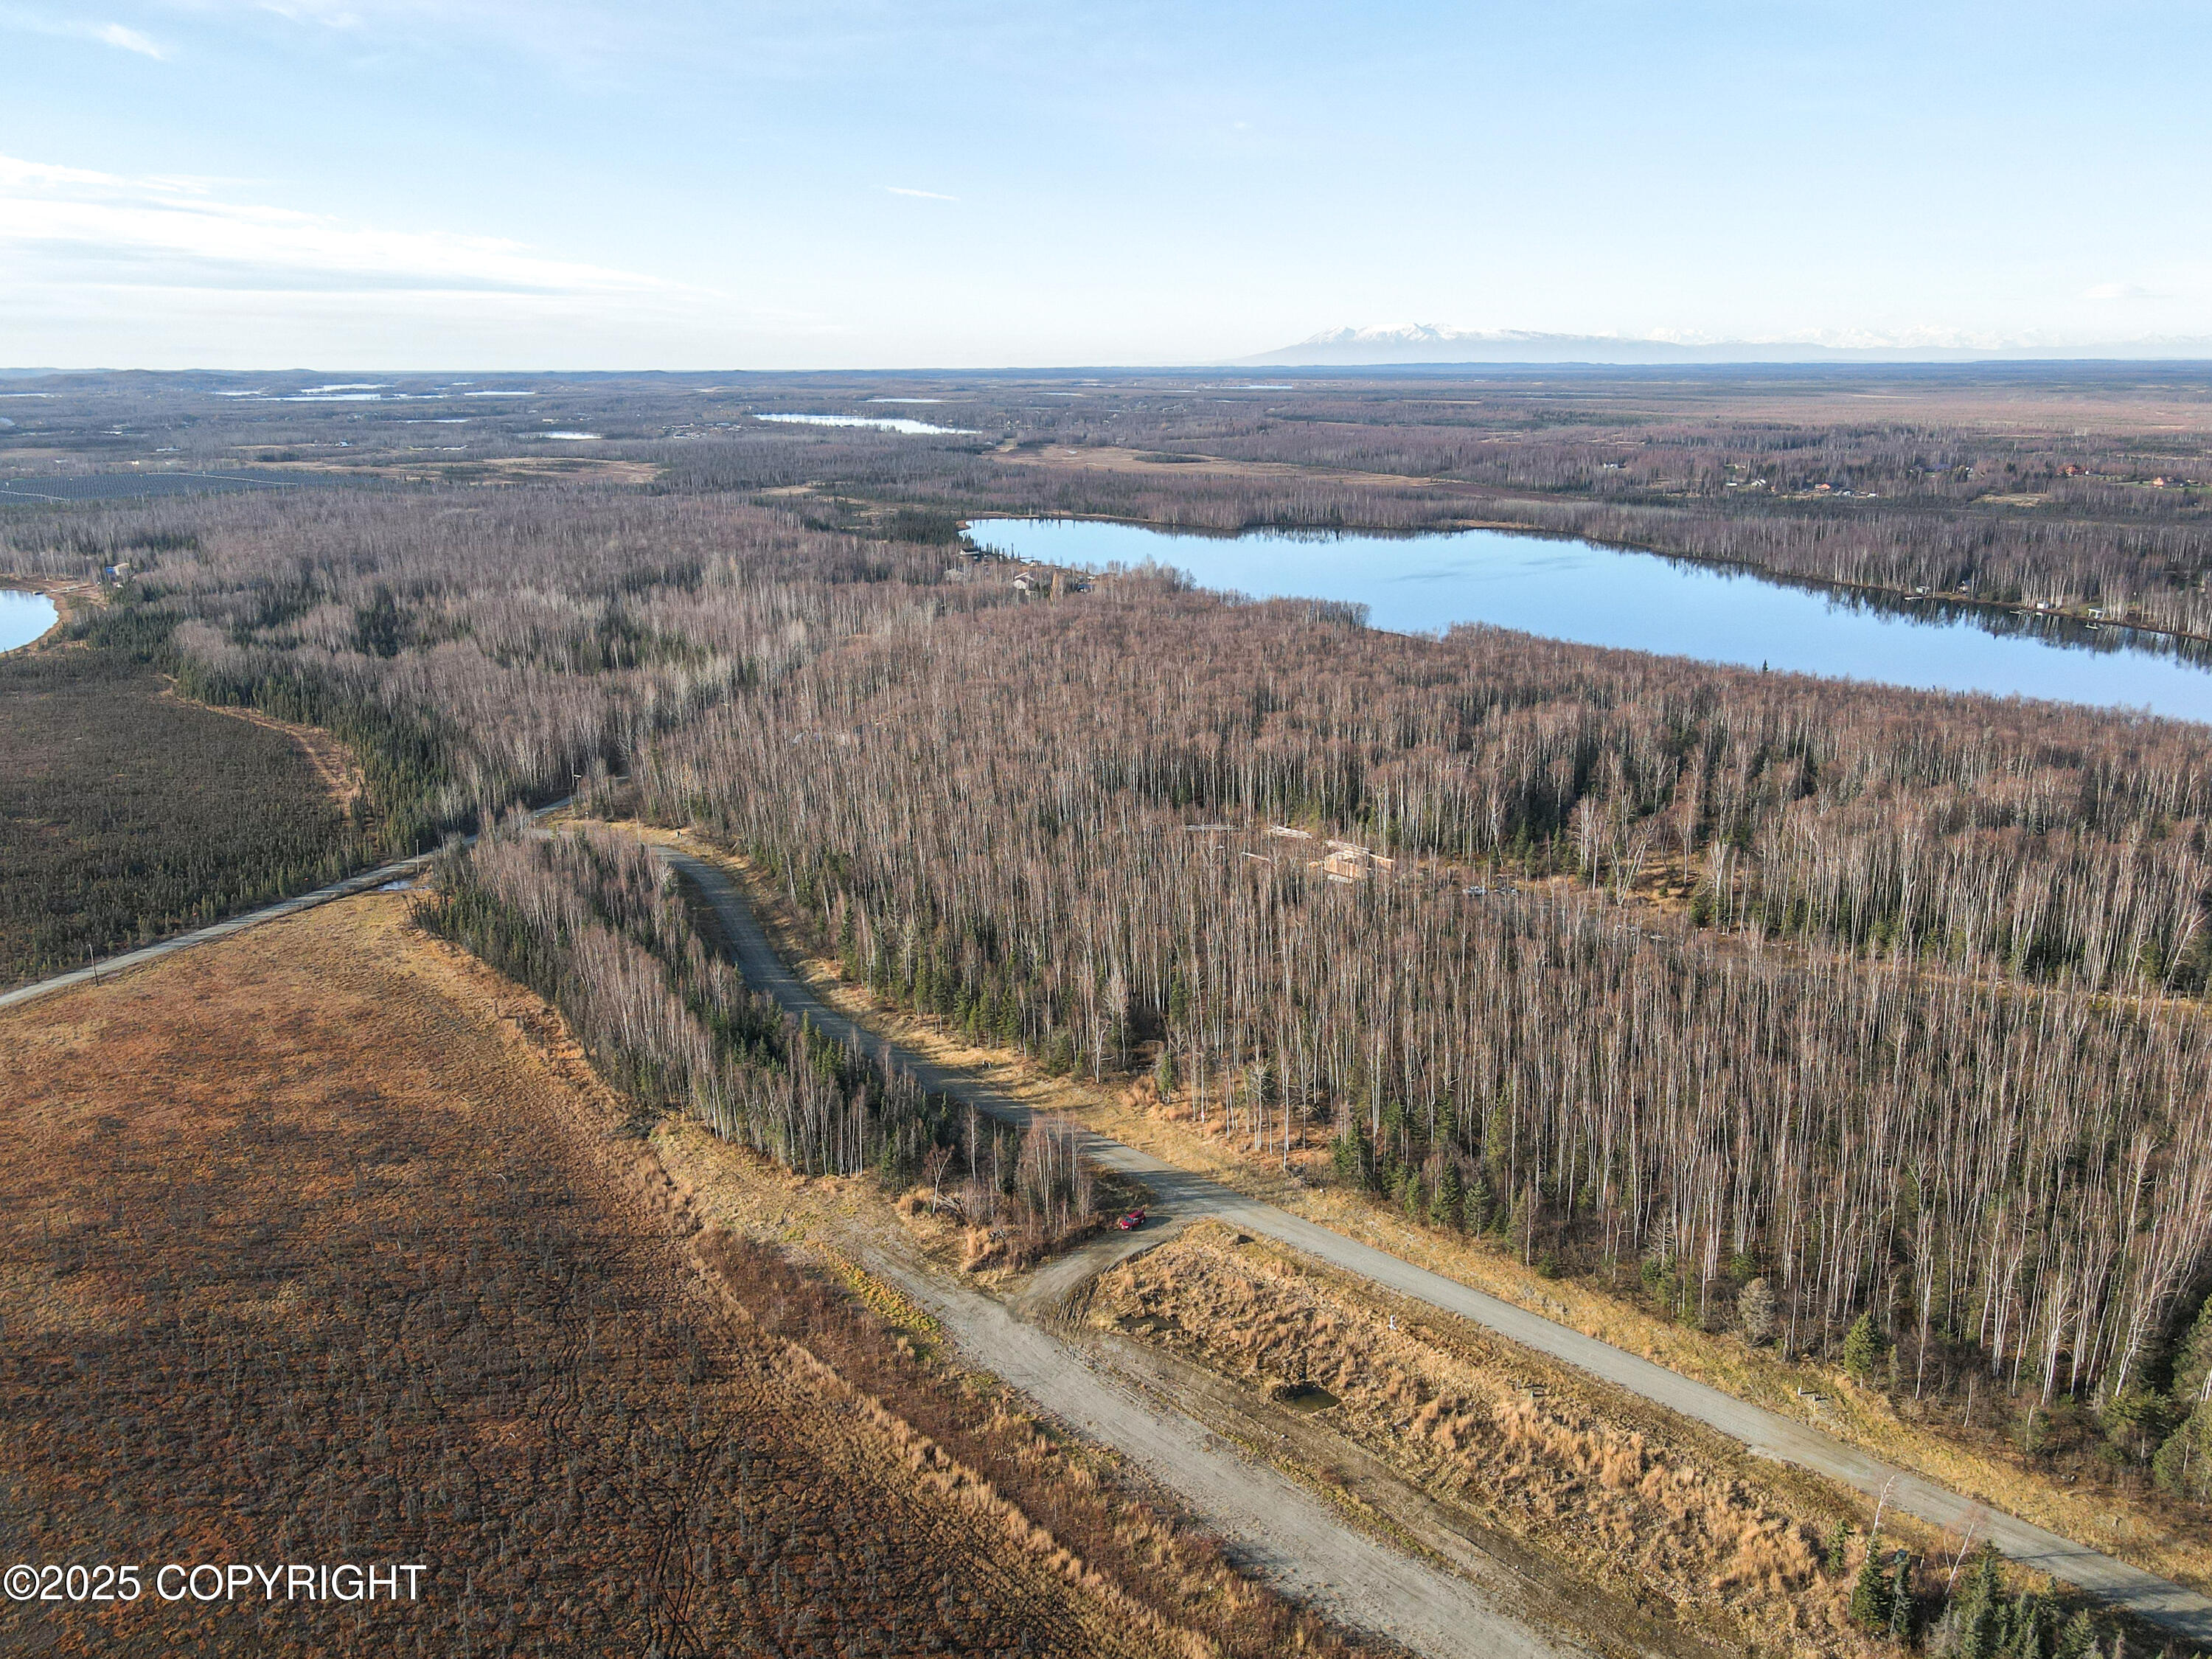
{"x": 1666, "y": 1517}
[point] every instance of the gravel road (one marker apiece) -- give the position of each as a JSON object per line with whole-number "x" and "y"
{"x": 1294, "y": 1540}
{"x": 1182, "y": 1195}
{"x": 400, "y": 870}
{"x": 1259, "y": 1496}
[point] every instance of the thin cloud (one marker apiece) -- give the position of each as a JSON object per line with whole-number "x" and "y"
{"x": 2121, "y": 291}
{"x": 924, "y": 195}
{"x": 163, "y": 231}
{"x": 313, "y": 11}
{"x": 119, "y": 35}
{"x": 128, "y": 39}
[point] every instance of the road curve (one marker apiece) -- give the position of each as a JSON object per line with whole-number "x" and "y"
{"x": 1183, "y": 1195}
{"x": 397, "y": 870}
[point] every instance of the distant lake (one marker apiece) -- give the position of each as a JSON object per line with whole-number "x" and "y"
{"x": 23, "y": 617}
{"x": 889, "y": 423}
{"x": 1572, "y": 590}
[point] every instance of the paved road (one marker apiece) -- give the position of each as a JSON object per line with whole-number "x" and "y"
{"x": 1183, "y": 1194}
{"x": 360, "y": 883}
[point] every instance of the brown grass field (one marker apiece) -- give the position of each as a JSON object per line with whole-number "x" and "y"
{"x": 323, "y": 1245}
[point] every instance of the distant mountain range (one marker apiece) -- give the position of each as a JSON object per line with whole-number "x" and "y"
{"x": 1427, "y": 343}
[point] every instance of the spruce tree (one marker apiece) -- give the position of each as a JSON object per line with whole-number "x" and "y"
{"x": 1982, "y": 1609}
{"x": 1862, "y": 1347}
{"x": 2183, "y": 1463}
{"x": 1349, "y": 1153}
{"x": 1479, "y": 1203}
{"x": 2078, "y": 1640}
{"x": 1444, "y": 1206}
{"x": 1870, "y": 1604}
{"x": 2031, "y": 1628}
{"x": 2192, "y": 1366}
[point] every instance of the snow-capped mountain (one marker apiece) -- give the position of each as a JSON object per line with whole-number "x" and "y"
{"x": 1431, "y": 342}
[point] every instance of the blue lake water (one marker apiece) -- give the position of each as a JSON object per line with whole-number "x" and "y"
{"x": 23, "y": 617}
{"x": 1570, "y": 590}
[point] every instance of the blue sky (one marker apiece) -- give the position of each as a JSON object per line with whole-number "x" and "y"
{"x": 388, "y": 184}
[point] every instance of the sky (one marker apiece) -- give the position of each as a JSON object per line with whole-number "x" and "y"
{"x": 387, "y": 184}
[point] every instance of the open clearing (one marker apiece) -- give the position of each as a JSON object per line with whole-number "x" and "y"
{"x": 311, "y": 1255}
{"x": 331, "y": 760}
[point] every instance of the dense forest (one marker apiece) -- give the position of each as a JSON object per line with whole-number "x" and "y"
{"x": 125, "y": 814}
{"x": 1912, "y": 1061}
{"x": 1891, "y": 1004}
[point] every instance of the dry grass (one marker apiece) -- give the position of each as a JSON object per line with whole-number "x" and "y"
{"x": 1125, "y": 1542}
{"x": 1646, "y": 1508}
{"x": 321, "y": 1244}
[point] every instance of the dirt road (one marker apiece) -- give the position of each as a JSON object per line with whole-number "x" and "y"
{"x": 1182, "y": 1195}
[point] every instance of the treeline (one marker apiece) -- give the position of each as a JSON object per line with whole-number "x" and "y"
{"x": 1017, "y": 824}
{"x": 1903, "y": 518}
{"x": 2152, "y": 574}
{"x": 2071, "y": 491}
{"x": 594, "y": 925}
{"x": 477, "y": 650}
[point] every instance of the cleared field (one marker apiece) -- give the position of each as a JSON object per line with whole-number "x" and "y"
{"x": 308, "y": 1255}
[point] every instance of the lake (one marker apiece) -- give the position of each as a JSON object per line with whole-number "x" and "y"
{"x": 1572, "y": 590}
{"x": 23, "y": 617}
{"x": 889, "y": 423}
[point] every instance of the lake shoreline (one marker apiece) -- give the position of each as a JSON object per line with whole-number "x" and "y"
{"x": 1559, "y": 585}
{"x": 1905, "y": 600}
{"x": 63, "y": 592}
